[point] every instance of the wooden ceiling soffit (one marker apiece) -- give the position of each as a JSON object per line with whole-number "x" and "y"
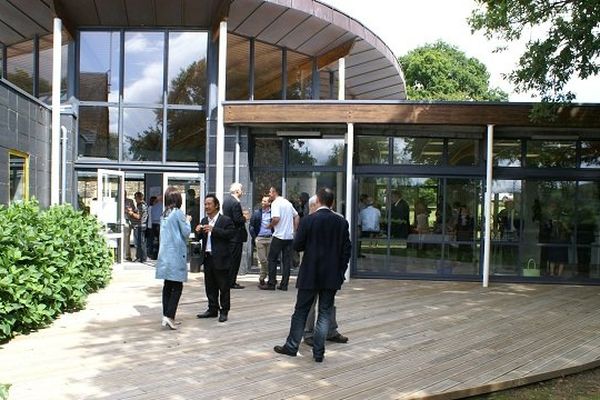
{"x": 60, "y": 12}
{"x": 220, "y": 13}
{"x": 335, "y": 54}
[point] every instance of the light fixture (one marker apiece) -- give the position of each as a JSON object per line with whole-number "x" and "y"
{"x": 299, "y": 133}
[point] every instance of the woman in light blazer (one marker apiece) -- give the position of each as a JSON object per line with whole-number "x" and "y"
{"x": 171, "y": 264}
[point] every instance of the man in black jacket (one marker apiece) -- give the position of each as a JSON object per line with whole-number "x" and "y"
{"x": 216, "y": 232}
{"x": 233, "y": 209}
{"x": 325, "y": 240}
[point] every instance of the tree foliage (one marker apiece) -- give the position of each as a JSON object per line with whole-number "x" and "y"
{"x": 568, "y": 44}
{"x": 186, "y": 129}
{"x": 440, "y": 71}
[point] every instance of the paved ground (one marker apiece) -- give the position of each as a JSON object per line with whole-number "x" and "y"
{"x": 408, "y": 339}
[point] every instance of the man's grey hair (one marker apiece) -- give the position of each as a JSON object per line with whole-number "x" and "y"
{"x": 312, "y": 201}
{"x": 236, "y": 187}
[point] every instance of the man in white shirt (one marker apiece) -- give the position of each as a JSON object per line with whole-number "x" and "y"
{"x": 284, "y": 221}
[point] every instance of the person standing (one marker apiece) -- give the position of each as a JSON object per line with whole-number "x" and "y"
{"x": 171, "y": 263}
{"x": 139, "y": 219}
{"x": 332, "y": 334}
{"x": 216, "y": 231}
{"x": 261, "y": 233}
{"x": 324, "y": 238}
{"x": 156, "y": 211}
{"x": 127, "y": 226}
{"x": 284, "y": 221}
{"x": 233, "y": 209}
{"x": 400, "y": 212}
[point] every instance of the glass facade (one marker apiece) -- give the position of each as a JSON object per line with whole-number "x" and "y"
{"x": 29, "y": 66}
{"x": 157, "y": 114}
{"x": 420, "y": 205}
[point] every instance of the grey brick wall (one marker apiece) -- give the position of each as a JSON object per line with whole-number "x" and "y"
{"x": 25, "y": 126}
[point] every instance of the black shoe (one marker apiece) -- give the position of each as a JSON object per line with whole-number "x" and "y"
{"x": 261, "y": 282}
{"x": 237, "y": 286}
{"x": 319, "y": 359}
{"x": 266, "y": 287}
{"x": 338, "y": 338}
{"x": 207, "y": 314}
{"x": 223, "y": 316}
{"x": 284, "y": 288}
{"x": 284, "y": 350}
{"x": 308, "y": 341}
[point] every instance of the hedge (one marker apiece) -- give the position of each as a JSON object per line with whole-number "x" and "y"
{"x": 50, "y": 260}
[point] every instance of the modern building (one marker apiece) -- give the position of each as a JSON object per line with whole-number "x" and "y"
{"x": 295, "y": 94}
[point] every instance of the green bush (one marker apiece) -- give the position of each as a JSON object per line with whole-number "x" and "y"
{"x": 50, "y": 260}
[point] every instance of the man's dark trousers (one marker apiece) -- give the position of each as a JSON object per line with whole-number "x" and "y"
{"x": 285, "y": 248}
{"x": 216, "y": 280}
{"x": 304, "y": 301}
{"x": 236, "y": 257}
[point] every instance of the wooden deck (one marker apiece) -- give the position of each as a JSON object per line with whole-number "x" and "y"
{"x": 408, "y": 340}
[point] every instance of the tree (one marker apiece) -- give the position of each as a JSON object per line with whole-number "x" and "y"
{"x": 186, "y": 129}
{"x": 568, "y": 44}
{"x": 440, "y": 71}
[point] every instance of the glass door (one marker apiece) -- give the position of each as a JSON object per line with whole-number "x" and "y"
{"x": 191, "y": 187}
{"x": 108, "y": 207}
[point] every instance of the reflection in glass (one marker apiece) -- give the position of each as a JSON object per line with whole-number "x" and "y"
{"x": 18, "y": 177}
{"x": 328, "y": 82}
{"x": 263, "y": 180}
{"x": 463, "y": 152}
{"x": 418, "y": 151}
{"x": 328, "y": 152}
{"x": 588, "y": 230}
{"x": 45, "y": 78}
{"x": 98, "y": 132}
{"x": 267, "y": 75}
{"x": 143, "y": 77}
{"x": 19, "y": 65}
{"x": 590, "y": 154}
{"x": 507, "y": 153}
{"x": 186, "y": 135}
{"x": 269, "y": 152}
{"x": 238, "y": 56}
{"x": 99, "y": 56}
{"x": 187, "y": 68}
{"x": 142, "y": 134}
{"x": 310, "y": 182}
{"x": 87, "y": 190}
{"x": 299, "y": 76}
{"x": 373, "y": 150}
{"x": 551, "y": 153}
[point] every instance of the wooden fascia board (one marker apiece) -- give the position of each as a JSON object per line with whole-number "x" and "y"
{"x": 451, "y": 114}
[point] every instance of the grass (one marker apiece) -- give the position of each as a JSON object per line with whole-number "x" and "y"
{"x": 582, "y": 386}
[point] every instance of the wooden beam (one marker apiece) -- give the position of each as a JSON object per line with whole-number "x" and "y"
{"x": 407, "y": 113}
{"x": 335, "y": 54}
{"x": 220, "y": 13}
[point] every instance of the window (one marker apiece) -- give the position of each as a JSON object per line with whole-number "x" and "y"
{"x": 18, "y": 176}
{"x": 124, "y": 77}
{"x": 238, "y": 69}
{"x": 99, "y": 66}
{"x": 551, "y": 153}
{"x": 507, "y": 153}
{"x": 590, "y": 154}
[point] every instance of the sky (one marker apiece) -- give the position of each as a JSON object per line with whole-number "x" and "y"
{"x": 407, "y": 24}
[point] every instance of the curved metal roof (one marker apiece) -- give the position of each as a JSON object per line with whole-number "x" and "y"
{"x": 319, "y": 30}
{"x": 306, "y": 26}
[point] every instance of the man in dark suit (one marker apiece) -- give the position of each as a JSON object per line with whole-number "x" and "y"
{"x": 233, "y": 209}
{"x": 325, "y": 240}
{"x": 216, "y": 232}
{"x": 400, "y": 216}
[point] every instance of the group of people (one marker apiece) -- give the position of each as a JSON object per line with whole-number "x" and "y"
{"x": 322, "y": 236}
